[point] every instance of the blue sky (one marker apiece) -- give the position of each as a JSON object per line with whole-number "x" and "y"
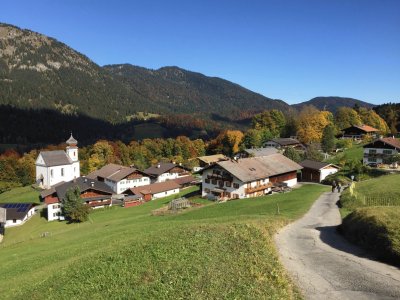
{"x": 291, "y": 50}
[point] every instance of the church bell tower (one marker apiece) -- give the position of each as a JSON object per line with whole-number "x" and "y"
{"x": 72, "y": 148}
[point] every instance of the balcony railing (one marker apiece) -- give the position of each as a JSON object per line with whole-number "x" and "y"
{"x": 220, "y": 177}
{"x": 258, "y": 188}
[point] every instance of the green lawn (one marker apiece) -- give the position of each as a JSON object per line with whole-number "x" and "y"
{"x": 353, "y": 153}
{"x": 217, "y": 251}
{"x": 21, "y": 194}
{"x": 369, "y": 222}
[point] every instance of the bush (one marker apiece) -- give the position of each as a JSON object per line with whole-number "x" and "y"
{"x": 349, "y": 201}
{"x": 338, "y": 177}
{"x": 344, "y": 143}
{"x": 375, "y": 230}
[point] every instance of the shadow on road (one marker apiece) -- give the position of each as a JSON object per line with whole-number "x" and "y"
{"x": 331, "y": 236}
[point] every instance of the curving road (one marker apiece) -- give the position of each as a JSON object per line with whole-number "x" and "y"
{"x": 325, "y": 265}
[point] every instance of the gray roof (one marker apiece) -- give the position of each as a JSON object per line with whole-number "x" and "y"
{"x": 84, "y": 184}
{"x": 315, "y": 165}
{"x": 261, "y": 151}
{"x": 113, "y": 172}
{"x": 286, "y": 141}
{"x": 163, "y": 167}
{"x": 254, "y": 168}
{"x": 155, "y": 188}
{"x": 55, "y": 158}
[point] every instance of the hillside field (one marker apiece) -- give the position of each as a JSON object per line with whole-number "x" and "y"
{"x": 216, "y": 251}
{"x": 372, "y": 216}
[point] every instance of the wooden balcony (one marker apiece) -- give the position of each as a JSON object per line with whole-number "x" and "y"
{"x": 258, "y": 188}
{"x": 220, "y": 177}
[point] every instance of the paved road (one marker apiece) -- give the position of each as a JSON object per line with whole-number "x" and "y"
{"x": 325, "y": 265}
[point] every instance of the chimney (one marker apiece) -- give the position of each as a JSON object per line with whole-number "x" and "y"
{"x": 158, "y": 165}
{"x": 92, "y": 183}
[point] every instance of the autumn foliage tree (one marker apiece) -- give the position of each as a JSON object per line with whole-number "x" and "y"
{"x": 311, "y": 123}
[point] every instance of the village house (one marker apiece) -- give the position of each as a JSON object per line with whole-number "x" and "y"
{"x": 155, "y": 190}
{"x": 94, "y": 193}
{"x": 359, "y": 131}
{"x": 16, "y": 213}
{"x": 283, "y": 143}
{"x": 316, "y": 171}
{"x": 248, "y": 177}
{"x": 120, "y": 178}
{"x": 57, "y": 166}
{"x": 380, "y": 150}
{"x": 166, "y": 171}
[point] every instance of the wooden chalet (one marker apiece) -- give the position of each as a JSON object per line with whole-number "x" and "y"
{"x": 359, "y": 131}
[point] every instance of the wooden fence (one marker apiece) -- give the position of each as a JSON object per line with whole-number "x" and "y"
{"x": 389, "y": 199}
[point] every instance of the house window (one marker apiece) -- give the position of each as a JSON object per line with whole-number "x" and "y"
{"x": 372, "y": 151}
{"x": 14, "y": 221}
{"x": 62, "y": 172}
{"x": 51, "y": 173}
{"x": 207, "y": 180}
{"x": 236, "y": 185}
{"x": 214, "y": 181}
{"x": 228, "y": 183}
{"x": 372, "y": 159}
{"x": 387, "y": 152}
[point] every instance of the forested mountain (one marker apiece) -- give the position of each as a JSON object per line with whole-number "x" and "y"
{"x": 333, "y": 103}
{"x": 39, "y": 72}
{"x": 180, "y": 91}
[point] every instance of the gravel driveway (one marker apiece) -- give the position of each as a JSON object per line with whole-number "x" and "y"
{"x": 325, "y": 265}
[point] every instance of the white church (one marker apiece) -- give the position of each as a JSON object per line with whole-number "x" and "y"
{"x": 57, "y": 166}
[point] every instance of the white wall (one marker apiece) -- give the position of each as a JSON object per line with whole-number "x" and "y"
{"x": 291, "y": 182}
{"x": 167, "y": 176}
{"x": 70, "y": 172}
{"x": 121, "y": 186}
{"x": 166, "y": 194}
{"x": 327, "y": 171}
{"x": 53, "y": 211}
{"x": 377, "y": 160}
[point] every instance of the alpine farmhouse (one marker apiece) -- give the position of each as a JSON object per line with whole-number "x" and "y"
{"x": 248, "y": 177}
{"x": 120, "y": 178}
{"x": 378, "y": 151}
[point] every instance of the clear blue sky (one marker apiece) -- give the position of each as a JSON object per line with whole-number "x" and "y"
{"x": 290, "y": 50}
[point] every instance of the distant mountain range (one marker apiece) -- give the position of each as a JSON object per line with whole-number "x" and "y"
{"x": 39, "y": 72}
{"x": 333, "y": 103}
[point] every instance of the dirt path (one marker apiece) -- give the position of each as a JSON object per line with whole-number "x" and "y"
{"x": 325, "y": 265}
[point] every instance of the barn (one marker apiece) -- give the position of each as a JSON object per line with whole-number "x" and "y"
{"x": 316, "y": 171}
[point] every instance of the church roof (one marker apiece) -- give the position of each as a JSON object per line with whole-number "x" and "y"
{"x": 71, "y": 140}
{"x": 55, "y": 158}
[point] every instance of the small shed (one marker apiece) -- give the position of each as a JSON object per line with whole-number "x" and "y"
{"x": 316, "y": 171}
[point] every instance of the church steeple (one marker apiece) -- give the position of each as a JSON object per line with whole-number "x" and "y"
{"x": 72, "y": 148}
{"x": 71, "y": 142}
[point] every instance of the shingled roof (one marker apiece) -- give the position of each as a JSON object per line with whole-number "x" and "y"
{"x": 389, "y": 141}
{"x": 365, "y": 128}
{"x": 82, "y": 183}
{"x": 155, "y": 188}
{"x": 286, "y": 141}
{"x": 255, "y": 152}
{"x": 315, "y": 165}
{"x": 209, "y": 159}
{"x": 55, "y": 158}
{"x": 160, "y": 168}
{"x": 113, "y": 172}
{"x": 254, "y": 168}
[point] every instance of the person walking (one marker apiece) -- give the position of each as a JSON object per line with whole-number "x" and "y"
{"x": 339, "y": 187}
{"x": 333, "y": 186}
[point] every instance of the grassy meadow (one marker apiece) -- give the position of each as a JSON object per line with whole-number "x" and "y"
{"x": 372, "y": 216}
{"x": 216, "y": 251}
{"x": 20, "y": 194}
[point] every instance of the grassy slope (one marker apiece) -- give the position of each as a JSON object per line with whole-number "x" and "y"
{"x": 21, "y": 194}
{"x": 375, "y": 228}
{"x": 353, "y": 153}
{"x": 218, "y": 251}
